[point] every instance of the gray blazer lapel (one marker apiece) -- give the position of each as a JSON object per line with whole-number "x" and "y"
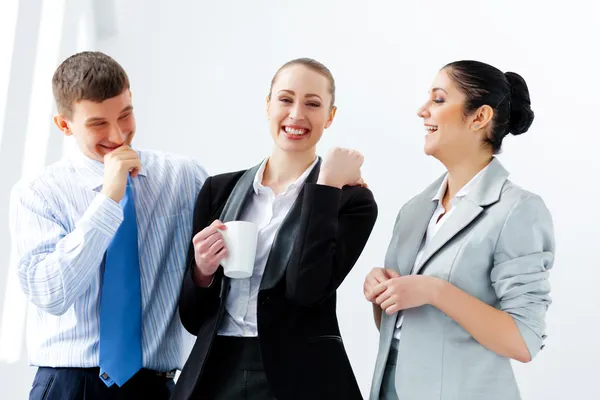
{"x": 461, "y": 217}
{"x": 410, "y": 234}
{"x": 486, "y": 191}
{"x": 281, "y": 249}
{"x": 404, "y": 246}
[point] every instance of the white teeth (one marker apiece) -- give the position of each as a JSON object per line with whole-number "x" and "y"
{"x": 431, "y": 128}
{"x": 295, "y": 131}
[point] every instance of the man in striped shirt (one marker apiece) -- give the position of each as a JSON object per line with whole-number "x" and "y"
{"x": 103, "y": 319}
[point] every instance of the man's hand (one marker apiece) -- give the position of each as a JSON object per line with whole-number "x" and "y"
{"x": 117, "y": 166}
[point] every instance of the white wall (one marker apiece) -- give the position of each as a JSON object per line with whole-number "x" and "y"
{"x": 200, "y": 73}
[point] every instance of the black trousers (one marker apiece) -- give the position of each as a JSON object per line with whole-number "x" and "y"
{"x": 85, "y": 384}
{"x": 234, "y": 370}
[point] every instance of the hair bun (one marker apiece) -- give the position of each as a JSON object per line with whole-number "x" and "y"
{"x": 521, "y": 114}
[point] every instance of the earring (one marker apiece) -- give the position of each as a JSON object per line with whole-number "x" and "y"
{"x": 476, "y": 126}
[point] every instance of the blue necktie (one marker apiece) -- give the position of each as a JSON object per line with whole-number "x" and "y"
{"x": 121, "y": 303}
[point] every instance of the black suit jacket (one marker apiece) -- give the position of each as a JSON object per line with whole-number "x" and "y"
{"x": 315, "y": 248}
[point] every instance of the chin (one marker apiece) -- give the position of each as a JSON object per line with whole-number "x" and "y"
{"x": 293, "y": 145}
{"x": 431, "y": 146}
{"x": 99, "y": 153}
{"x": 429, "y": 150}
{"x": 92, "y": 153}
{"x": 292, "y": 149}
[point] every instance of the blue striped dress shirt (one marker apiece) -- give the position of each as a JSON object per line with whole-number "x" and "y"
{"x": 61, "y": 226}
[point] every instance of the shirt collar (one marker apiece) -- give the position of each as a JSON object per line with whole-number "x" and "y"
{"x": 92, "y": 171}
{"x": 463, "y": 191}
{"x": 293, "y": 188}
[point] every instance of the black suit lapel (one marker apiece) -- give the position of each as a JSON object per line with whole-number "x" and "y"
{"x": 234, "y": 206}
{"x": 239, "y": 196}
{"x": 283, "y": 244}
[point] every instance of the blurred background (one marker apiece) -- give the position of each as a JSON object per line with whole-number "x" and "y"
{"x": 200, "y": 72}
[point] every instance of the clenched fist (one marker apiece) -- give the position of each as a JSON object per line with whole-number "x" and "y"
{"x": 341, "y": 167}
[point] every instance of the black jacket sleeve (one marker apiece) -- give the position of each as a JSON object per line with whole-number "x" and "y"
{"x": 196, "y": 304}
{"x": 332, "y": 237}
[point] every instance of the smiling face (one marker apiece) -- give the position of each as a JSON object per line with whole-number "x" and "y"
{"x": 100, "y": 127}
{"x": 299, "y": 108}
{"x": 449, "y": 136}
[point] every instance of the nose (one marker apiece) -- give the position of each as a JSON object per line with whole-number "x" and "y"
{"x": 423, "y": 111}
{"x": 297, "y": 111}
{"x": 117, "y": 135}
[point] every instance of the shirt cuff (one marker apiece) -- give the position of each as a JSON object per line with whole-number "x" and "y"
{"x": 533, "y": 342}
{"x": 103, "y": 214}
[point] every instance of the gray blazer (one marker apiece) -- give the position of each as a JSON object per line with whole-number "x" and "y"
{"x": 497, "y": 245}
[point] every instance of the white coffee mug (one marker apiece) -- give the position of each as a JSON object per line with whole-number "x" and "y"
{"x": 240, "y": 240}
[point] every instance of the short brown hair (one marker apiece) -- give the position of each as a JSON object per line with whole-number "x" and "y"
{"x": 89, "y": 75}
{"x": 313, "y": 65}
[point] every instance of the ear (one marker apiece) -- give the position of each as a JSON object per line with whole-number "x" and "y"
{"x": 63, "y": 124}
{"x": 331, "y": 117}
{"x": 481, "y": 118}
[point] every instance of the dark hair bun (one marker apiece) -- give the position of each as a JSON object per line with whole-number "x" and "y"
{"x": 521, "y": 114}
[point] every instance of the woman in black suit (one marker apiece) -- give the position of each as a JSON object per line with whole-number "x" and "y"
{"x": 275, "y": 335}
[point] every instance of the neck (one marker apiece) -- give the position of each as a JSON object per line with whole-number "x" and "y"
{"x": 460, "y": 173}
{"x": 284, "y": 168}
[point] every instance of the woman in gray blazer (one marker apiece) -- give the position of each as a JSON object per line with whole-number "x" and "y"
{"x": 465, "y": 285}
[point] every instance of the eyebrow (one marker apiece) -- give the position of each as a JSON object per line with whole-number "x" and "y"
{"x": 127, "y": 109}
{"x": 307, "y": 95}
{"x": 438, "y": 88}
{"x": 97, "y": 119}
